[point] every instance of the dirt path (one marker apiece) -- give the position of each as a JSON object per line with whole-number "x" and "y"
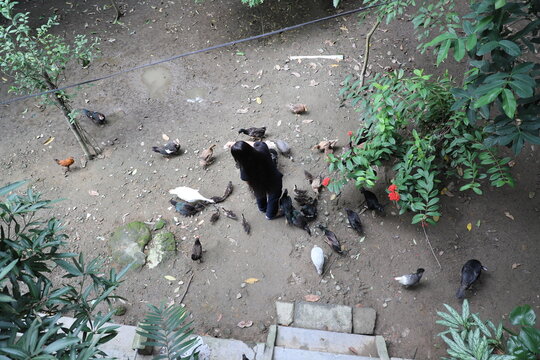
{"x": 201, "y": 100}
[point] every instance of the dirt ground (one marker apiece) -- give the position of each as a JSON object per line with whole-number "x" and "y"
{"x": 201, "y": 100}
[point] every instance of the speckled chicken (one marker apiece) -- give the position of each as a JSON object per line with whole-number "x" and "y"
{"x": 410, "y": 279}
{"x": 171, "y": 148}
{"x": 254, "y": 132}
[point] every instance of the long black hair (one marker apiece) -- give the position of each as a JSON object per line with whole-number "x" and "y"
{"x": 256, "y": 166}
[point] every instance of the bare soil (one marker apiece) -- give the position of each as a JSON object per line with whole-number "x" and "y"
{"x": 197, "y": 100}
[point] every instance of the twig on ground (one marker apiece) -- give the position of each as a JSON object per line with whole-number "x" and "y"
{"x": 366, "y": 53}
{"x": 187, "y": 288}
{"x": 431, "y": 247}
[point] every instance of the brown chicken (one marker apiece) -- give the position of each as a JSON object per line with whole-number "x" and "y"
{"x": 66, "y": 162}
{"x": 207, "y": 156}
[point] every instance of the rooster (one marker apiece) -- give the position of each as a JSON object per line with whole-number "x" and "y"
{"x": 66, "y": 162}
{"x": 97, "y": 117}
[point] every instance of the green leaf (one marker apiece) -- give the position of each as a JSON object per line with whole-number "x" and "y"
{"x": 488, "y": 47}
{"x": 499, "y": 4}
{"x": 4, "y": 190}
{"x": 509, "y": 103}
{"x": 488, "y": 98}
{"x": 510, "y": 47}
{"x": 443, "y": 52}
{"x": 523, "y": 315}
{"x": 8, "y": 268}
{"x": 471, "y": 42}
{"x": 440, "y": 38}
{"x": 459, "y": 49}
{"x": 61, "y": 344}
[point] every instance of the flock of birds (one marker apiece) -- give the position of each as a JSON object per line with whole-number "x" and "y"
{"x": 192, "y": 202}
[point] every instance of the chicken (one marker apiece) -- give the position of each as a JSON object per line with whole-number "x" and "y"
{"x": 300, "y": 221}
{"x": 66, "y": 162}
{"x": 228, "y": 191}
{"x": 354, "y": 221}
{"x": 245, "y": 225}
{"x": 410, "y": 279}
{"x": 331, "y": 239}
{"x": 207, "y": 156}
{"x": 286, "y": 206}
{"x": 214, "y": 217}
{"x": 230, "y": 214}
{"x": 97, "y": 117}
{"x": 372, "y": 201}
{"x": 188, "y": 194}
{"x": 256, "y": 133}
{"x": 309, "y": 210}
{"x": 298, "y": 108}
{"x": 171, "y": 148}
{"x": 315, "y": 182}
{"x": 326, "y": 145}
{"x": 470, "y": 272}
{"x": 317, "y": 257}
{"x": 196, "y": 252}
{"x": 187, "y": 209}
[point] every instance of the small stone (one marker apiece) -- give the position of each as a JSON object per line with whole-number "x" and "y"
{"x": 338, "y": 287}
{"x": 243, "y": 285}
{"x": 384, "y": 305}
{"x": 238, "y": 296}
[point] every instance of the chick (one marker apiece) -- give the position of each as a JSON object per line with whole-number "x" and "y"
{"x": 256, "y": 133}
{"x": 315, "y": 182}
{"x": 372, "y": 201}
{"x": 410, "y": 279}
{"x": 470, "y": 272}
{"x": 207, "y": 156}
{"x": 196, "y": 252}
{"x": 171, "y": 148}
{"x": 354, "y": 221}
{"x": 326, "y": 145}
{"x": 246, "y": 225}
{"x": 331, "y": 239}
{"x": 309, "y": 210}
{"x": 65, "y": 162}
{"x": 97, "y": 117}
{"x": 298, "y": 108}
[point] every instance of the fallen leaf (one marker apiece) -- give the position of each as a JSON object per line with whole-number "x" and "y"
{"x": 242, "y": 111}
{"x": 334, "y": 65}
{"x": 258, "y": 100}
{"x": 245, "y": 324}
{"x": 312, "y": 298}
{"x": 478, "y": 223}
{"x": 436, "y": 218}
{"x": 295, "y": 73}
{"x": 49, "y": 140}
{"x": 512, "y": 163}
{"x": 251, "y": 281}
{"x": 515, "y": 266}
{"x": 93, "y": 193}
{"x": 508, "y": 215}
{"x": 170, "y": 278}
{"x": 362, "y": 239}
{"x": 240, "y": 53}
{"x": 307, "y": 121}
{"x": 469, "y": 226}
{"x": 165, "y": 137}
{"x": 344, "y": 28}
{"x": 219, "y": 317}
{"x": 532, "y": 194}
{"x": 279, "y": 123}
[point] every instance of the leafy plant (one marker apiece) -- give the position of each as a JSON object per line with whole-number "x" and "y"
{"x": 500, "y": 39}
{"x": 165, "y": 328}
{"x": 409, "y": 121}
{"x": 470, "y": 338}
{"x": 36, "y": 59}
{"x": 31, "y": 303}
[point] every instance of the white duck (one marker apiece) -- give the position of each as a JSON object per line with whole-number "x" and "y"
{"x": 188, "y": 194}
{"x": 317, "y": 257}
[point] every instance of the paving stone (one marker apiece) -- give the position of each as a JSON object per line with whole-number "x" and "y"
{"x": 285, "y": 311}
{"x": 381, "y": 348}
{"x": 323, "y": 317}
{"x": 364, "y": 320}
{"x": 298, "y": 354}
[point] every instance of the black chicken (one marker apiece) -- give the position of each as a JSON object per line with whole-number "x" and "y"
{"x": 286, "y": 206}
{"x": 470, "y": 272}
{"x": 331, "y": 239}
{"x": 196, "y": 253}
{"x": 300, "y": 221}
{"x": 97, "y": 117}
{"x": 171, "y": 148}
{"x": 354, "y": 221}
{"x": 187, "y": 209}
{"x": 372, "y": 201}
{"x": 256, "y": 133}
{"x": 309, "y": 210}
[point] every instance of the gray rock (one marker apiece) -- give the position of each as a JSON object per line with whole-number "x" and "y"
{"x": 364, "y": 320}
{"x": 162, "y": 247}
{"x": 323, "y": 317}
{"x": 127, "y": 242}
{"x": 285, "y": 311}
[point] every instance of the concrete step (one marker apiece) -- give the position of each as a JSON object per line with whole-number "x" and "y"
{"x": 281, "y": 353}
{"x": 326, "y": 341}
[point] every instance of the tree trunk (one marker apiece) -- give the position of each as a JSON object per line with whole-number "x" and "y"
{"x": 74, "y": 127}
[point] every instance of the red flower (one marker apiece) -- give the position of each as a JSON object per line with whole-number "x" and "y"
{"x": 326, "y": 181}
{"x": 392, "y": 188}
{"x": 394, "y": 196}
{"x": 350, "y": 133}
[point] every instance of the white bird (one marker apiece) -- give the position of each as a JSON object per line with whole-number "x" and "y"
{"x": 317, "y": 257}
{"x": 188, "y": 194}
{"x": 410, "y": 279}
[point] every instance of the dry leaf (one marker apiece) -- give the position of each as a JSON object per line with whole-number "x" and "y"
{"x": 93, "y": 193}
{"x": 295, "y": 73}
{"x": 436, "y": 218}
{"x": 49, "y": 140}
{"x": 258, "y": 100}
{"x": 251, "y": 281}
{"x": 242, "y": 111}
{"x": 307, "y": 121}
{"x": 469, "y": 226}
{"x": 515, "y": 266}
{"x": 165, "y": 137}
{"x": 312, "y": 298}
{"x": 344, "y": 28}
{"x": 334, "y": 65}
{"x": 245, "y": 324}
{"x": 508, "y": 215}
{"x": 170, "y": 278}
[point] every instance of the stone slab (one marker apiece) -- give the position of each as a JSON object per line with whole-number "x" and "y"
{"x": 297, "y": 354}
{"x": 285, "y": 312}
{"x": 381, "y": 348}
{"x": 364, "y": 320}
{"x": 326, "y": 341}
{"x": 327, "y": 317}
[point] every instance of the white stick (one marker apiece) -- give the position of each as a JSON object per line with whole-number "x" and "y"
{"x": 330, "y": 57}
